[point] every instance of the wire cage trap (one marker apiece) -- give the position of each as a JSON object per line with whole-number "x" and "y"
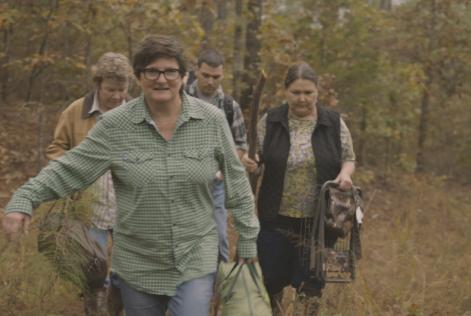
{"x": 335, "y": 243}
{"x": 339, "y": 260}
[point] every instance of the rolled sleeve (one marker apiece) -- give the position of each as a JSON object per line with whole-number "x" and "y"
{"x": 261, "y": 130}
{"x": 239, "y": 132}
{"x": 75, "y": 170}
{"x": 346, "y": 142}
{"x": 239, "y": 197}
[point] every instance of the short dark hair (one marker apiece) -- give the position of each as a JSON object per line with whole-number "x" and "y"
{"x": 300, "y": 71}
{"x": 153, "y": 47}
{"x": 210, "y": 57}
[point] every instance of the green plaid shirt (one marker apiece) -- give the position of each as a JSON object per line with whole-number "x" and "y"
{"x": 165, "y": 233}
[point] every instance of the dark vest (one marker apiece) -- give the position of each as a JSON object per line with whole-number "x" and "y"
{"x": 327, "y": 152}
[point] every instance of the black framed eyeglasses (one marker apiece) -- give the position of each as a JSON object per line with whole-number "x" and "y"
{"x": 154, "y": 74}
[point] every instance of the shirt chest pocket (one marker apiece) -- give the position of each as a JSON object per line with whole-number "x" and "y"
{"x": 200, "y": 165}
{"x": 139, "y": 167}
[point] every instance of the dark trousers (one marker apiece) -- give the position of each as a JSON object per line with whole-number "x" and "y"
{"x": 284, "y": 251}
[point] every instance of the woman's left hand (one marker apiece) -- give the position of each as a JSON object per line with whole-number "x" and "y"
{"x": 344, "y": 179}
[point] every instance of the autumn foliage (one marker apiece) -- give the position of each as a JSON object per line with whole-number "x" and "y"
{"x": 400, "y": 75}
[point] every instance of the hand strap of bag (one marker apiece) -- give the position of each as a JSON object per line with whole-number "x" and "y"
{"x": 255, "y": 277}
{"x": 238, "y": 269}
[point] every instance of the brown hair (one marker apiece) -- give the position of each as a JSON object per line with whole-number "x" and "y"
{"x": 300, "y": 71}
{"x": 153, "y": 47}
{"x": 210, "y": 57}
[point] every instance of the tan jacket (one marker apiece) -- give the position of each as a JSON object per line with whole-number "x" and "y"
{"x": 73, "y": 126}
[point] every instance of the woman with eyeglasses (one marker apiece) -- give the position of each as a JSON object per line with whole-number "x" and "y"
{"x": 163, "y": 150}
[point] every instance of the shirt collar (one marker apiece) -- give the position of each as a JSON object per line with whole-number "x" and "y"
{"x": 96, "y": 104}
{"x": 282, "y": 115}
{"x": 140, "y": 113}
{"x": 194, "y": 91}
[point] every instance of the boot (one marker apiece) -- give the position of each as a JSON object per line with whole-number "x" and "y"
{"x": 276, "y": 301}
{"x": 312, "y": 306}
{"x": 115, "y": 303}
{"x": 306, "y": 305}
{"x": 300, "y": 305}
{"x": 101, "y": 302}
{"x": 95, "y": 302}
{"x": 90, "y": 303}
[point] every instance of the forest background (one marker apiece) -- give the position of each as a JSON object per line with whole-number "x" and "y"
{"x": 398, "y": 71}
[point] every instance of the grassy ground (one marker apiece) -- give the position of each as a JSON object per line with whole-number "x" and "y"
{"x": 29, "y": 285}
{"x": 416, "y": 244}
{"x": 417, "y": 252}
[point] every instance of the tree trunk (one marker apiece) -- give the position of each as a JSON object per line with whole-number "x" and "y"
{"x": 423, "y": 123}
{"x": 425, "y": 102}
{"x": 87, "y": 57}
{"x": 6, "y": 59}
{"x": 362, "y": 141}
{"x": 221, "y": 9}
{"x": 40, "y": 130}
{"x": 91, "y": 16}
{"x": 252, "y": 51}
{"x": 126, "y": 27}
{"x": 4, "y": 70}
{"x": 386, "y": 5}
{"x": 38, "y": 69}
{"x": 237, "y": 64}
{"x": 206, "y": 19}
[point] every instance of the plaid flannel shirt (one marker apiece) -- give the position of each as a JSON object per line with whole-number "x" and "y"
{"x": 238, "y": 130}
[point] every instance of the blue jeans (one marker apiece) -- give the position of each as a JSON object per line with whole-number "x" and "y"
{"x": 192, "y": 298}
{"x": 220, "y": 217}
{"x": 101, "y": 237}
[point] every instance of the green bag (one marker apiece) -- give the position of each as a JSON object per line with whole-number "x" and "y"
{"x": 241, "y": 291}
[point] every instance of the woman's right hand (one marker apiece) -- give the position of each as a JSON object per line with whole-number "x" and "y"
{"x": 15, "y": 223}
{"x": 249, "y": 164}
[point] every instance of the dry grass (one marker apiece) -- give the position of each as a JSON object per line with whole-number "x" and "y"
{"x": 416, "y": 247}
{"x": 416, "y": 261}
{"x": 417, "y": 253}
{"x": 29, "y": 284}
